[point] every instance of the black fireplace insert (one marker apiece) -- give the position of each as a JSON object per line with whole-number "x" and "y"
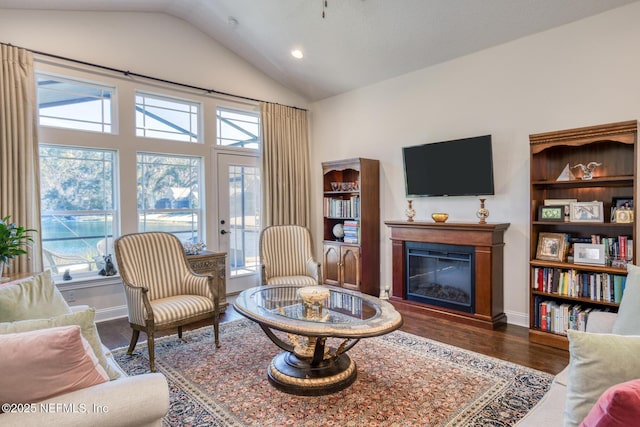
{"x": 441, "y": 275}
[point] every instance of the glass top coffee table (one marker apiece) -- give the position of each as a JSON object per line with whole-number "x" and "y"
{"x": 310, "y": 319}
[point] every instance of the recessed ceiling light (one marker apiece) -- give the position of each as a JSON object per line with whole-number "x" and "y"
{"x": 297, "y": 53}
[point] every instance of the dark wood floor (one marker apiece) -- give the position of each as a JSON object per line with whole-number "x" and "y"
{"x": 508, "y": 342}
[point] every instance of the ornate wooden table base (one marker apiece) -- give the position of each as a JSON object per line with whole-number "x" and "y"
{"x": 314, "y": 320}
{"x": 291, "y": 374}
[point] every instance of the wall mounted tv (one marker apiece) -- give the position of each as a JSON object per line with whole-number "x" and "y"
{"x": 461, "y": 167}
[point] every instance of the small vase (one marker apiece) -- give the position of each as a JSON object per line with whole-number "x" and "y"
{"x": 410, "y": 211}
{"x": 482, "y": 213}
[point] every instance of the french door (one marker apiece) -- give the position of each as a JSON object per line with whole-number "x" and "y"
{"x": 239, "y": 218}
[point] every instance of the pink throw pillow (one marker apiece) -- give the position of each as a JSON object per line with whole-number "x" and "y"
{"x": 44, "y": 363}
{"x": 619, "y": 406}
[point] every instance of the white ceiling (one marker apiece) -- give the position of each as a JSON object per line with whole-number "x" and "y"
{"x": 359, "y": 42}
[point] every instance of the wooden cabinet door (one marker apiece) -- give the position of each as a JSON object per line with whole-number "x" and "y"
{"x": 331, "y": 264}
{"x": 350, "y": 256}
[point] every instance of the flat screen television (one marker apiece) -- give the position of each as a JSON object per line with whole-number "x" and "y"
{"x": 461, "y": 167}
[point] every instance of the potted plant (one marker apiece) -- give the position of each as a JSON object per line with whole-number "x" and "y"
{"x": 13, "y": 239}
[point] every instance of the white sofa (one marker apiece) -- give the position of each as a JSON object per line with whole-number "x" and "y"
{"x": 549, "y": 412}
{"x": 127, "y": 401}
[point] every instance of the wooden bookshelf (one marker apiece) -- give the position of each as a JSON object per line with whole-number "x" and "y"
{"x": 351, "y": 191}
{"x": 615, "y": 146}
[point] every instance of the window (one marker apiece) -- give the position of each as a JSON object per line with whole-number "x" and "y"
{"x": 167, "y": 118}
{"x": 169, "y": 191}
{"x": 72, "y": 104}
{"x": 78, "y": 211}
{"x": 238, "y": 128}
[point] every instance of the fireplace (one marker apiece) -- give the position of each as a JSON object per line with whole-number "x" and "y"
{"x": 450, "y": 270}
{"x": 441, "y": 275}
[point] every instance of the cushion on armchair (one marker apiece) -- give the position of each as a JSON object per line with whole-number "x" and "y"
{"x": 33, "y": 298}
{"x": 44, "y": 363}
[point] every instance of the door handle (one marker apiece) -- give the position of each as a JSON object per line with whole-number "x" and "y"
{"x": 224, "y": 232}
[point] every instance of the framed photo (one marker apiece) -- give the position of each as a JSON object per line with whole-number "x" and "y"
{"x": 587, "y": 253}
{"x": 551, "y": 213}
{"x": 551, "y": 246}
{"x": 622, "y": 203}
{"x": 624, "y": 216}
{"x": 586, "y": 212}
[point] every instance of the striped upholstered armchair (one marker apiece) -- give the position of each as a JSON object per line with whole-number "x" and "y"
{"x": 162, "y": 291}
{"x": 286, "y": 256}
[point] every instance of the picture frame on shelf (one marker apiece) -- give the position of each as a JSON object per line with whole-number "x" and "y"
{"x": 551, "y": 246}
{"x": 551, "y": 213}
{"x": 622, "y": 203}
{"x": 588, "y": 253}
{"x": 565, "y": 203}
{"x": 623, "y": 216}
{"x": 586, "y": 212}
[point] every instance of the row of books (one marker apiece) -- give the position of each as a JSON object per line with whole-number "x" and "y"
{"x": 351, "y": 231}
{"x": 555, "y": 317}
{"x": 575, "y": 283}
{"x": 342, "y": 208}
{"x": 615, "y": 248}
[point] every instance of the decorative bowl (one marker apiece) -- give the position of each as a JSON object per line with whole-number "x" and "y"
{"x": 440, "y": 216}
{"x": 313, "y": 294}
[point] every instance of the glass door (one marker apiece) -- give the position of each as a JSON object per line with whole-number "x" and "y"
{"x": 239, "y": 218}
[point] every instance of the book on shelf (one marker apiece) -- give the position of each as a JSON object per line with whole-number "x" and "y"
{"x": 351, "y": 231}
{"x": 555, "y": 317}
{"x": 342, "y": 208}
{"x": 579, "y": 284}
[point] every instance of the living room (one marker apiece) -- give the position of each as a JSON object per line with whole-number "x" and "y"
{"x": 580, "y": 74}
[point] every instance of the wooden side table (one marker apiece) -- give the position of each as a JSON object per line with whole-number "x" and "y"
{"x": 207, "y": 262}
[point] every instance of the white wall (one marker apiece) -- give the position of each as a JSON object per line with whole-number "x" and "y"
{"x": 151, "y": 44}
{"x": 581, "y": 74}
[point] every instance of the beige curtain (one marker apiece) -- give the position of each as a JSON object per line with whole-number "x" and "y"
{"x": 285, "y": 165}
{"x": 19, "y": 181}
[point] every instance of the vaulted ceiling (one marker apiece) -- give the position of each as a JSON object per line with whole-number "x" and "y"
{"x": 357, "y": 42}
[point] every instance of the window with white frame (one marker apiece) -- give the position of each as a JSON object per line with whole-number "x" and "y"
{"x": 74, "y": 104}
{"x": 78, "y": 206}
{"x": 167, "y": 118}
{"x": 169, "y": 193}
{"x": 238, "y": 128}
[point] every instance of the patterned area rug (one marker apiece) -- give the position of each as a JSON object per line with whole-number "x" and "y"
{"x": 403, "y": 380}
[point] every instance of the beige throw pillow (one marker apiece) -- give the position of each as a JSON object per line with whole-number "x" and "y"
{"x": 85, "y": 319}
{"x": 597, "y": 362}
{"x": 34, "y": 298}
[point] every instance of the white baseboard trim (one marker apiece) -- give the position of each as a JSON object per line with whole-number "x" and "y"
{"x": 111, "y": 313}
{"x": 517, "y": 318}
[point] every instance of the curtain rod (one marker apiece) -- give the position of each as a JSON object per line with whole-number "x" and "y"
{"x": 156, "y": 79}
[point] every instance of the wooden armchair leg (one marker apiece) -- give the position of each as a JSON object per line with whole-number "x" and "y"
{"x": 134, "y": 340}
{"x": 152, "y": 356}
{"x": 216, "y": 326}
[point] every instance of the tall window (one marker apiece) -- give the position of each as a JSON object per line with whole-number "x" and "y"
{"x": 74, "y": 104}
{"x": 78, "y": 209}
{"x": 238, "y": 128}
{"x": 169, "y": 192}
{"x": 167, "y": 118}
